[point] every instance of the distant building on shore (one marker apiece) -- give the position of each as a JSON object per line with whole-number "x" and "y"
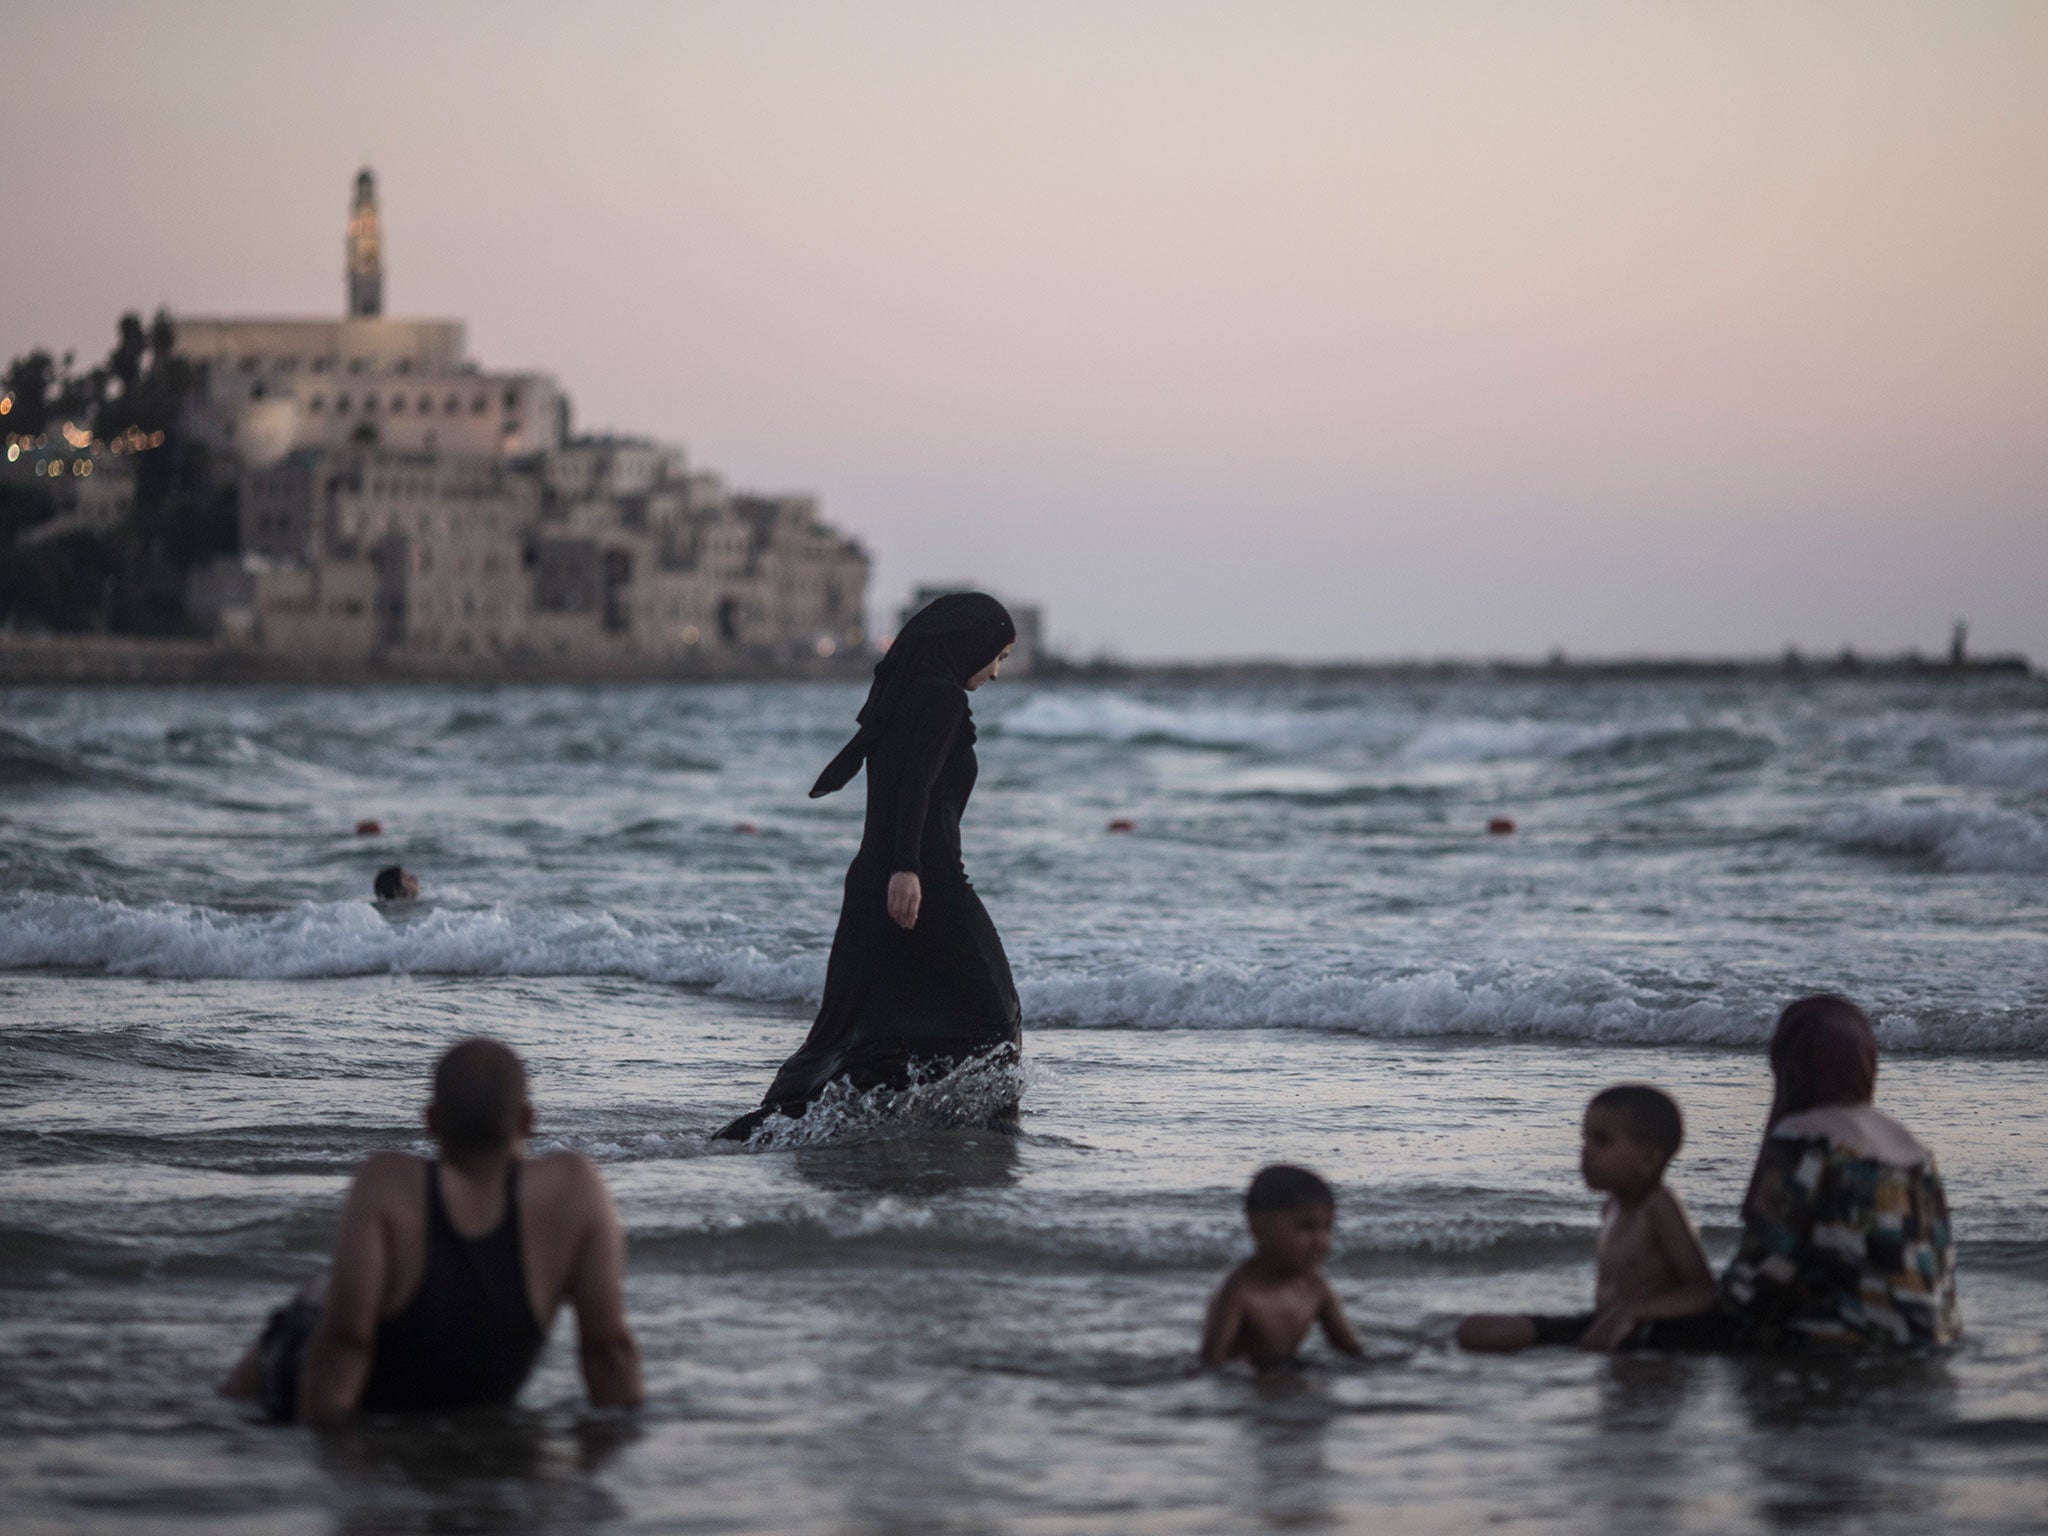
{"x": 398, "y": 499}
{"x": 90, "y": 484}
{"x": 1029, "y": 620}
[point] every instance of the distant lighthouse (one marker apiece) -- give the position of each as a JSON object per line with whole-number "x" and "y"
{"x": 365, "y": 252}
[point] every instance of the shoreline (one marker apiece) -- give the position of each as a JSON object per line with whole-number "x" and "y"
{"x": 116, "y": 660}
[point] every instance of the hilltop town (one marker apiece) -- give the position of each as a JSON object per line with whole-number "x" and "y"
{"x": 355, "y": 494}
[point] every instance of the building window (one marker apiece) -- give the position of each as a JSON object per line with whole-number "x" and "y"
{"x": 341, "y": 402}
{"x": 355, "y": 365}
{"x": 451, "y": 405}
{"x": 405, "y": 365}
{"x": 426, "y": 404}
{"x": 511, "y": 399}
{"x": 369, "y": 402}
{"x": 480, "y": 404}
{"x": 251, "y": 364}
{"x": 397, "y": 405}
{"x": 316, "y": 404}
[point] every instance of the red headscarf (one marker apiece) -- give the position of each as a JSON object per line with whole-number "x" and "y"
{"x": 1822, "y": 1052}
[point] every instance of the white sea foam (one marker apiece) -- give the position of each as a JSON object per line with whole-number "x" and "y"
{"x": 978, "y": 1093}
{"x": 1155, "y": 1233}
{"x": 2021, "y": 763}
{"x": 1410, "y": 737}
{"x": 1120, "y": 718}
{"x": 1964, "y": 839}
{"x": 1567, "y": 1003}
{"x": 353, "y": 938}
{"x": 1573, "y": 1004}
{"x": 1584, "y": 1004}
{"x": 1486, "y": 741}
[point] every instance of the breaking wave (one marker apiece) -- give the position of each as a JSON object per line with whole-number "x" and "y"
{"x": 1118, "y": 718}
{"x": 1163, "y": 1235}
{"x": 1406, "y": 737}
{"x": 1584, "y": 1003}
{"x": 1961, "y": 839}
{"x": 353, "y": 938}
{"x": 28, "y": 764}
{"x": 2017, "y": 764}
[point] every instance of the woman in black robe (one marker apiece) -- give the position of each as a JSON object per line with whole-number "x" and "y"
{"x": 918, "y": 982}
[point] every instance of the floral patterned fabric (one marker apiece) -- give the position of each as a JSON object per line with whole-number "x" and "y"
{"x": 1843, "y": 1251}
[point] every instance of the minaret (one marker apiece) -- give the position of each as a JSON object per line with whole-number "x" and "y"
{"x": 365, "y": 252}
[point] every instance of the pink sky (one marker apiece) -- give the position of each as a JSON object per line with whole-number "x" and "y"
{"x": 1314, "y": 329}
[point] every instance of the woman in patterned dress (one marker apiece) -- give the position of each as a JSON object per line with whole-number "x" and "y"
{"x": 1845, "y": 1230}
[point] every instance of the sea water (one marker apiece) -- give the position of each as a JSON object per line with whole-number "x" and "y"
{"x": 1309, "y": 947}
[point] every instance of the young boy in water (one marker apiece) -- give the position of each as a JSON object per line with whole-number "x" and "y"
{"x": 1265, "y": 1306}
{"x": 1650, "y": 1263}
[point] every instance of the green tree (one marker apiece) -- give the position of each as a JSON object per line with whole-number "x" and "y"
{"x": 32, "y": 381}
{"x": 131, "y": 579}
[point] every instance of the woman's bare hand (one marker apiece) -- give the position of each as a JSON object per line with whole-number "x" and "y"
{"x": 906, "y": 895}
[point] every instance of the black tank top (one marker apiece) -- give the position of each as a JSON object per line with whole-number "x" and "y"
{"x": 468, "y": 1335}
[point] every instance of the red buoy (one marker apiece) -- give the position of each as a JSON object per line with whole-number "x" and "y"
{"x": 369, "y": 828}
{"x": 745, "y": 828}
{"x": 1123, "y": 824}
{"x": 1500, "y": 826}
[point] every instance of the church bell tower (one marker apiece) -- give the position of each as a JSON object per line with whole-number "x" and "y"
{"x": 365, "y": 252}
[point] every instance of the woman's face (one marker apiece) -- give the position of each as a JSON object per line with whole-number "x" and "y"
{"x": 993, "y": 670}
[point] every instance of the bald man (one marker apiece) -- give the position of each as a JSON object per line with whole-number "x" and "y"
{"x": 447, "y": 1273}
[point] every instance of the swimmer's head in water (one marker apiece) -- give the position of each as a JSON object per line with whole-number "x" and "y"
{"x": 479, "y": 1103}
{"x": 396, "y": 883}
{"x": 1284, "y": 1187}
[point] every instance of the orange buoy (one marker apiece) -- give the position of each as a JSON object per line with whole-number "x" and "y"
{"x": 745, "y": 828}
{"x": 1500, "y": 826}
{"x": 1123, "y": 824}
{"x": 369, "y": 828}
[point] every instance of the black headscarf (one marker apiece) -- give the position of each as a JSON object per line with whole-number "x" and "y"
{"x": 953, "y": 638}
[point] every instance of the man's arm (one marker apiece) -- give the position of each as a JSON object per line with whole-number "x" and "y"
{"x": 611, "y": 1360}
{"x": 1224, "y": 1322}
{"x": 343, "y": 1346}
{"x": 1336, "y": 1326}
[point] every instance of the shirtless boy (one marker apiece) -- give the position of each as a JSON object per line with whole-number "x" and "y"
{"x": 1265, "y": 1306}
{"x": 447, "y": 1273}
{"x": 1650, "y": 1263}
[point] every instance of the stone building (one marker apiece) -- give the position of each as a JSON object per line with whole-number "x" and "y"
{"x": 396, "y": 499}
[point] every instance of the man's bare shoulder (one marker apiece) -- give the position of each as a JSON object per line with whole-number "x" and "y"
{"x": 386, "y": 1174}
{"x": 563, "y": 1176}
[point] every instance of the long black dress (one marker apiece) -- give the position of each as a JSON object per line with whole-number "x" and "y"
{"x": 900, "y": 999}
